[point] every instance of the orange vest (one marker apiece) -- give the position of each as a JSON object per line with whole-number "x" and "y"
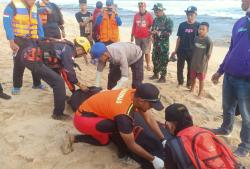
{"x": 24, "y": 22}
{"x": 43, "y": 16}
{"x": 109, "y": 104}
{"x": 109, "y": 30}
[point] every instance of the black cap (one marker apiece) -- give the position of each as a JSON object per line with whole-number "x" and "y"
{"x": 82, "y": 1}
{"x": 176, "y": 112}
{"x": 191, "y": 9}
{"x": 150, "y": 93}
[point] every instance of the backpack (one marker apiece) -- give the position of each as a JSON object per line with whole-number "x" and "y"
{"x": 197, "y": 148}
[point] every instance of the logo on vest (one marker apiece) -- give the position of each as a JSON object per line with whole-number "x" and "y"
{"x": 121, "y": 96}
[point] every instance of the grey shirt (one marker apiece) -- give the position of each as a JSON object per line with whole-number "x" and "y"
{"x": 124, "y": 54}
{"x": 203, "y": 49}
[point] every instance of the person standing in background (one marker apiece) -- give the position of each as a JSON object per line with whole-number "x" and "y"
{"x": 236, "y": 83}
{"x": 142, "y": 23}
{"x": 161, "y": 30}
{"x": 201, "y": 55}
{"x": 96, "y": 13}
{"x": 52, "y": 19}
{"x": 185, "y": 44}
{"x": 109, "y": 22}
{"x": 21, "y": 31}
{"x": 84, "y": 18}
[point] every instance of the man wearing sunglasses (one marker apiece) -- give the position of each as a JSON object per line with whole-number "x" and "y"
{"x": 111, "y": 112}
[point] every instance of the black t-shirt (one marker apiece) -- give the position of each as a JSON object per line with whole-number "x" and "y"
{"x": 187, "y": 33}
{"x": 85, "y": 18}
{"x": 124, "y": 123}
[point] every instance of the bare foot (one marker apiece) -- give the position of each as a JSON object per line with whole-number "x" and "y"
{"x": 67, "y": 146}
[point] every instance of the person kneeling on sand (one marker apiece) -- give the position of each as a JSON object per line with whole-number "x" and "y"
{"x": 49, "y": 59}
{"x": 111, "y": 112}
{"x": 121, "y": 56}
{"x": 193, "y": 147}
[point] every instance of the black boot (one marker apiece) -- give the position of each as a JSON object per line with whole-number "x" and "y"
{"x": 155, "y": 76}
{"x": 4, "y": 96}
{"x": 162, "y": 79}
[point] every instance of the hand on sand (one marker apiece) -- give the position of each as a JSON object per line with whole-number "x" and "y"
{"x": 215, "y": 78}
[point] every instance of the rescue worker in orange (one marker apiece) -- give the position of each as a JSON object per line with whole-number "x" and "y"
{"x": 61, "y": 53}
{"x": 109, "y": 23}
{"x": 52, "y": 19}
{"x": 22, "y": 26}
{"x": 112, "y": 111}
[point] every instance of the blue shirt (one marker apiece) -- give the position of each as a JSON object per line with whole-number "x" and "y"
{"x": 237, "y": 60}
{"x": 7, "y": 23}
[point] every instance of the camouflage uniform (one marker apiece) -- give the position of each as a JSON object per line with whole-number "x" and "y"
{"x": 160, "y": 55}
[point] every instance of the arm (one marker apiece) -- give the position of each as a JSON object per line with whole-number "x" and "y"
{"x": 125, "y": 127}
{"x": 133, "y": 30}
{"x": 124, "y": 67}
{"x": 210, "y": 49}
{"x": 134, "y": 147}
{"x": 221, "y": 68}
{"x": 66, "y": 55}
{"x": 118, "y": 20}
{"x": 178, "y": 41}
{"x": 152, "y": 123}
{"x": 7, "y": 22}
{"x": 40, "y": 30}
{"x": 99, "y": 20}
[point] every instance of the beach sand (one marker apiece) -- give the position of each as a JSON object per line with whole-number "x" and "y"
{"x": 30, "y": 139}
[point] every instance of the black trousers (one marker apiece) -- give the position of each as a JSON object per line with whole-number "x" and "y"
{"x": 1, "y": 88}
{"x": 19, "y": 67}
{"x": 184, "y": 56}
{"x": 115, "y": 74}
{"x": 54, "y": 80}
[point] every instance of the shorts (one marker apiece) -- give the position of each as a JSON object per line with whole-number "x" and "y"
{"x": 144, "y": 43}
{"x": 200, "y": 76}
{"x": 87, "y": 125}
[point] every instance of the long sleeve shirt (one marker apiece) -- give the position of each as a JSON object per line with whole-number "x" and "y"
{"x": 7, "y": 22}
{"x": 237, "y": 59}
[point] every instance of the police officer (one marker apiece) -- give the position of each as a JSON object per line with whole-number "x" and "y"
{"x": 161, "y": 30}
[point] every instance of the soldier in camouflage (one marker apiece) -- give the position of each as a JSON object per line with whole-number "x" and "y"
{"x": 161, "y": 31}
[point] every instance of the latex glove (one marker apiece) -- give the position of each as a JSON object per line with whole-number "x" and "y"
{"x": 164, "y": 143}
{"x": 120, "y": 83}
{"x": 158, "y": 163}
{"x": 98, "y": 78}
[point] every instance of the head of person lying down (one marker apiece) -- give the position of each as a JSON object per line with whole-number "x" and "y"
{"x": 177, "y": 118}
